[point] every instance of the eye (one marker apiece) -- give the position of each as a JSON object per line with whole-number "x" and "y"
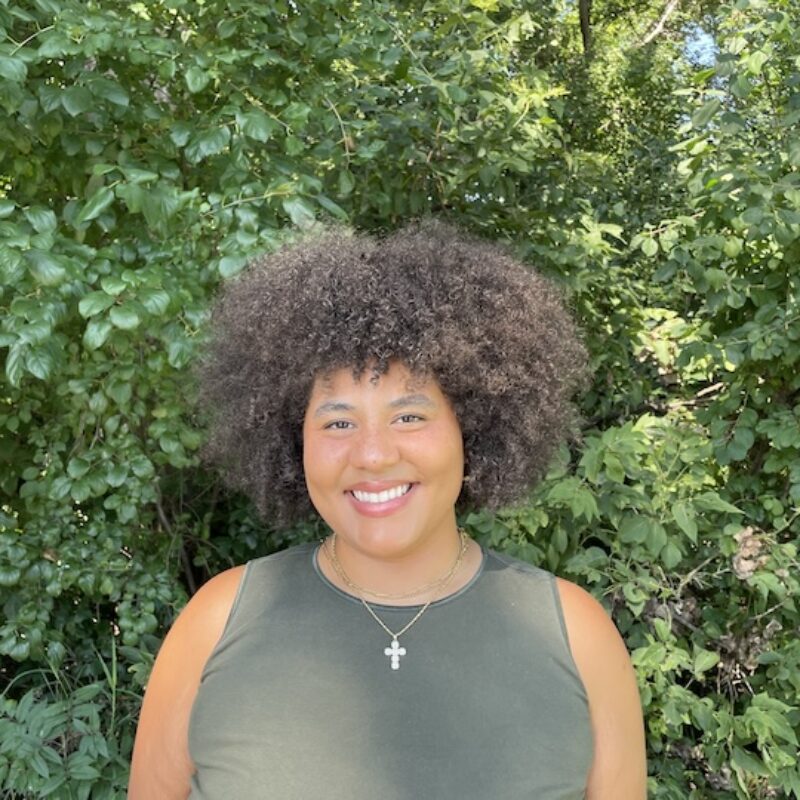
{"x": 337, "y": 425}
{"x": 410, "y": 418}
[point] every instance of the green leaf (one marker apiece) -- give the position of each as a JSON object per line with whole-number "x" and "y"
{"x": 633, "y": 528}
{"x": 208, "y": 143}
{"x": 705, "y": 113}
{"x": 570, "y": 493}
{"x": 732, "y": 246}
{"x": 13, "y": 68}
{"x": 9, "y": 576}
{"x": 743, "y": 439}
{"x": 226, "y": 27}
{"x": 125, "y": 316}
{"x": 346, "y": 182}
{"x": 15, "y": 363}
{"x": 755, "y": 61}
{"x": 86, "y": 693}
{"x": 169, "y": 444}
{"x": 84, "y": 772}
{"x": 96, "y": 333}
{"x": 136, "y": 175}
{"x": 111, "y": 91}
{"x": 743, "y": 761}
{"x": 20, "y": 651}
{"x": 93, "y": 303}
{"x": 77, "y": 467}
{"x": 704, "y": 660}
{"x": 649, "y": 246}
{"x": 332, "y": 207}
{"x": 683, "y": 514}
{"x": 156, "y": 301}
{"x": 80, "y": 490}
{"x": 39, "y": 765}
{"x": 671, "y": 555}
{"x": 300, "y": 211}
{"x": 46, "y": 268}
{"x": 55, "y": 43}
{"x": 95, "y": 205}
{"x": 120, "y": 392}
{"x": 457, "y": 94}
{"x": 142, "y": 467}
{"x": 179, "y": 353}
{"x": 39, "y": 363}
{"x": 117, "y": 475}
{"x": 256, "y": 124}
{"x": 231, "y": 265}
{"x": 43, "y": 220}
{"x": 613, "y": 468}
{"x": 76, "y": 100}
{"x": 180, "y": 133}
{"x": 753, "y": 215}
{"x": 656, "y": 538}
{"x": 196, "y": 79}
{"x": 55, "y": 782}
{"x": 113, "y": 285}
{"x": 132, "y": 195}
{"x": 711, "y": 501}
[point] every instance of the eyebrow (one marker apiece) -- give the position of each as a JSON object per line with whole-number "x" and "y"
{"x": 332, "y": 407}
{"x": 335, "y": 406}
{"x": 412, "y": 400}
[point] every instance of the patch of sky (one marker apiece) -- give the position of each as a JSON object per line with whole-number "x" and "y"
{"x": 700, "y": 48}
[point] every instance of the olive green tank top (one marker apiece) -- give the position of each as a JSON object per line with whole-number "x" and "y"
{"x": 299, "y": 699}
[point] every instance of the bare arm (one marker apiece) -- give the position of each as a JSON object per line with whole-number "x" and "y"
{"x": 619, "y": 770}
{"x": 161, "y": 768}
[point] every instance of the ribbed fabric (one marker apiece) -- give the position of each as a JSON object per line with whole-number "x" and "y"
{"x": 298, "y": 701}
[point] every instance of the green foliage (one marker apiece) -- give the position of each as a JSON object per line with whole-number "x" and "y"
{"x": 149, "y": 149}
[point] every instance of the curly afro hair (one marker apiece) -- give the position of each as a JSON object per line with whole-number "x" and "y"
{"x": 493, "y": 334}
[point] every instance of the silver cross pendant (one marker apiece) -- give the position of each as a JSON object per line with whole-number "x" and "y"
{"x": 394, "y": 652}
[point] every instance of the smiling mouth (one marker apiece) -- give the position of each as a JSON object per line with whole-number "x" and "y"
{"x": 384, "y": 496}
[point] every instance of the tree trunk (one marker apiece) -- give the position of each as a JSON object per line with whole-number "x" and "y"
{"x": 584, "y": 10}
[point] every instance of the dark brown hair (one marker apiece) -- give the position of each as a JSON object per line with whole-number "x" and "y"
{"x": 493, "y": 333}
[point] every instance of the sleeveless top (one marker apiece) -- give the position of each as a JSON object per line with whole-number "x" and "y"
{"x": 298, "y": 700}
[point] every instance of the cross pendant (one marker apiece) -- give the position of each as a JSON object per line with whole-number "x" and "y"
{"x": 394, "y": 652}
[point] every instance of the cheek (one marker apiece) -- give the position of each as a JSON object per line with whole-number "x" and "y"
{"x": 446, "y": 454}
{"x": 322, "y": 459}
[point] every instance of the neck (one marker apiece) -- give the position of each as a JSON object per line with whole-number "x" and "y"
{"x": 405, "y": 578}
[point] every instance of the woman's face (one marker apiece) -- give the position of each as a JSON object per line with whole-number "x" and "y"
{"x": 383, "y": 460}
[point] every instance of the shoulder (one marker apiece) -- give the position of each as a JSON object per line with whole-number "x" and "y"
{"x": 516, "y": 566}
{"x": 289, "y": 558}
{"x": 597, "y": 647}
{"x": 619, "y": 767}
{"x": 161, "y": 765}
{"x": 589, "y": 627}
{"x": 212, "y": 602}
{"x": 586, "y": 619}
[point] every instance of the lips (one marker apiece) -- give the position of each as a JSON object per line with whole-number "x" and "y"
{"x": 379, "y": 499}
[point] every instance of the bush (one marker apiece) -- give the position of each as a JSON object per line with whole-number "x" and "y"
{"x": 149, "y": 149}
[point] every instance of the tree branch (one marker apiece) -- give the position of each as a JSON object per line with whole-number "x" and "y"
{"x": 184, "y": 556}
{"x": 659, "y": 26}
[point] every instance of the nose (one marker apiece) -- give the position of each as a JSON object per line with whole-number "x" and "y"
{"x": 375, "y": 449}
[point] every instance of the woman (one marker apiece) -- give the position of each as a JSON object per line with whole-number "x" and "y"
{"x": 387, "y": 384}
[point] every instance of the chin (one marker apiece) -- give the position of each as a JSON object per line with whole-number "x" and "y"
{"x": 381, "y": 537}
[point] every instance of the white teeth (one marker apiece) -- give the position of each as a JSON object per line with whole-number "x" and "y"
{"x": 382, "y": 497}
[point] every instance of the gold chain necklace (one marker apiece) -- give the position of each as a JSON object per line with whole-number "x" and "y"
{"x": 394, "y": 651}
{"x": 359, "y": 590}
